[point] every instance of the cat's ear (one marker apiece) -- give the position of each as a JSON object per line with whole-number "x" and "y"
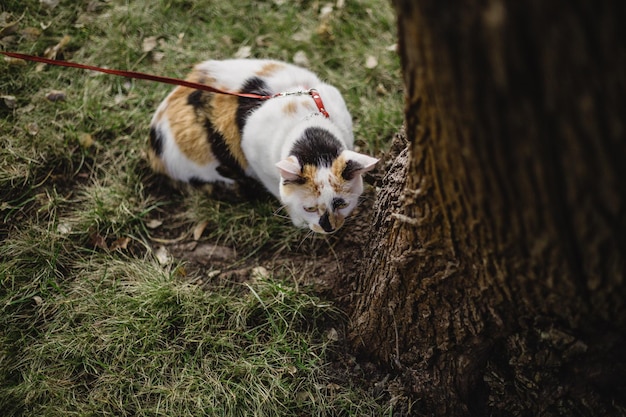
{"x": 357, "y": 164}
{"x": 289, "y": 168}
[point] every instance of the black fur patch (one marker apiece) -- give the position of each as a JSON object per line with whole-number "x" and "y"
{"x": 254, "y": 190}
{"x": 325, "y": 223}
{"x": 254, "y": 85}
{"x": 316, "y": 147}
{"x": 196, "y": 182}
{"x": 196, "y": 99}
{"x": 156, "y": 141}
{"x": 350, "y": 169}
{"x": 226, "y": 172}
{"x": 222, "y": 152}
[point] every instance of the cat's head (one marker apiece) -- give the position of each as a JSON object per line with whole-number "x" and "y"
{"x": 321, "y": 195}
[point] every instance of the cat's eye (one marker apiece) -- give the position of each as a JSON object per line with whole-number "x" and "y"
{"x": 312, "y": 209}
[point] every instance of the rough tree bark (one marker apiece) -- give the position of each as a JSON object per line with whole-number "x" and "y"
{"x": 494, "y": 279}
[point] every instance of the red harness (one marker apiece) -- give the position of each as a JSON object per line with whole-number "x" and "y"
{"x": 168, "y": 80}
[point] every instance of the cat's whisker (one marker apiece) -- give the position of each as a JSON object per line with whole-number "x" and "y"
{"x": 281, "y": 216}
{"x": 276, "y": 213}
{"x": 279, "y": 209}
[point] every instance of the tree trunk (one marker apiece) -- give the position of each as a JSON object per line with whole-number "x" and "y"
{"x": 494, "y": 280}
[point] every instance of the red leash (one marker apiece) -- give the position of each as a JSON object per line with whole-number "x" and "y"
{"x": 168, "y": 80}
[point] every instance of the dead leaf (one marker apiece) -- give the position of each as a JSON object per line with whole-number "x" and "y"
{"x": 324, "y": 31}
{"x": 304, "y": 396}
{"x": 56, "y": 95}
{"x": 30, "y": 33}
{"x": 53, "y": 51}
{"x": 38, "y": 300}
{"x": 15, "y": 61}
{"x": 32, "y": 128}
{"x": 50, "y": 4}
{"x": 332, "y": 335}
{"x": 371, "y": 62}
{"x": 261, "y": 40}
{"x": 326, "y": 11}
{"x": 199, "y": 229}
{"x": 212, "y": 274}
{"x": 154, "y": 223}
{"x": 228, "y": 41}
{"x": 8, "y": 29}
{"x": 119, "y": 99}
{"x": 300, "y": 58}
{"x": 243, "y": 52}
{"x": 9, "y": 101}
{"x": 85, "y": 140}
{"x": 158, "y": 56}
{"x": 259, "y": 273}
{"x": 98, "y": 241}
{"x": 121, "y": 243}
{"x": 149, "y": 43}
{"x": 163, "y": 255}
{"x": 64, "y": 228}
{"x": 302, "y": 36}
{"x": 26, "y": 109}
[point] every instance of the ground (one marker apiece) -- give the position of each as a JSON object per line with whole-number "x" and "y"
{"x": 122, "y": 294}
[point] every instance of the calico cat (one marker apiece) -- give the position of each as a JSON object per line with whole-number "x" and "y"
{"x": 298, "y": 147}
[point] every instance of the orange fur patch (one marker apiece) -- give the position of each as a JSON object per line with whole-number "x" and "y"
{"x": 269, "y": 69}
{"x": 156, "y": 163}
{"x": 309, "y": 173}
{"x": 187, "y": 126}
{"x": 290, "y": 108}
{"x": 339, "y": 184}
{"x": 309, "y": 105}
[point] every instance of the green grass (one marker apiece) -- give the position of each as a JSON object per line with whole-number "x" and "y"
{"x": 164, "y": 345}
{"x": 86, "y": 329}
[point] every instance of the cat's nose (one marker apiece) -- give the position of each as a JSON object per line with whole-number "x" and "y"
{"x": 325, "y": 223}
